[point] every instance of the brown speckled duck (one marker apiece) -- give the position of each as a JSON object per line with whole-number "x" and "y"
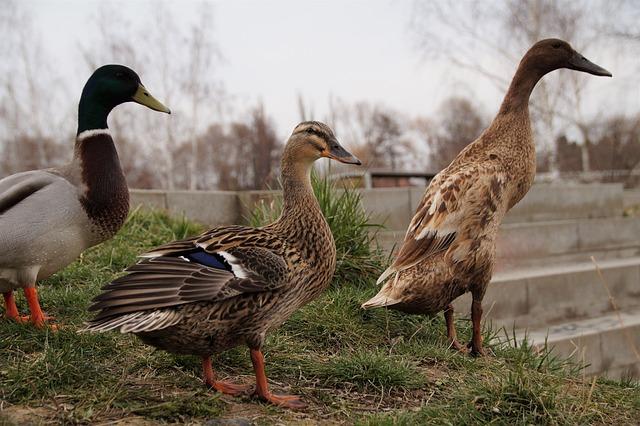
{"x": 48, "y": 217}
{"x": 232, "y": 284}
{"x": 449, "y": 247}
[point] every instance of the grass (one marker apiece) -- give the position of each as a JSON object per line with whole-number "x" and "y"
{"x": 352, "y": 366}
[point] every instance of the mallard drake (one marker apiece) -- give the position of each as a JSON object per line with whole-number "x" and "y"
{"x": 449, "y": 247}
{"x": 231, "y": 285}
{"x": 48, "y": 217}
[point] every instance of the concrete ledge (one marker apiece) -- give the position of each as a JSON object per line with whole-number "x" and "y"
{"x": 207, "y": 207}
{"x": 545, "y": 296}
{"x": 149, "y": 198}
{"x": 631, "y": 198}
{"x": 543, "y": 202}
{"x": 533, "y": 244}
{"x": 608, "y": 343}
{"x": 389, "y": 206}
{"x": 544, "y": 243}
{"x": 394, "y": 207}
{"x": 568, "y": 201}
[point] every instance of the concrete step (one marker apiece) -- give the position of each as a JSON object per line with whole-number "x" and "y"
{"x": 531, "y": 244}
{"x": 539, "y": 297}
{"x": 544, "y": 243}
{"x": 555, "y": 201}
{"x": 631, "y": 198}
{"x": 609, "y": 344}
{"x": 394, "y": 207}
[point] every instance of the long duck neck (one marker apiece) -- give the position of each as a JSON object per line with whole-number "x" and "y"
{"x": 299, "y": 201}
{"x": 300, "y": 211}
{"x": 517, "y": 98}
{"x": 106, "y": 196}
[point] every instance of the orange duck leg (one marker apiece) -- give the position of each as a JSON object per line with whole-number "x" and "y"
{"x": 219, "y": 385}
{"x": 262, "y": 387}
{"x": 11, "y": 311}
{"x": 38, "y": 318}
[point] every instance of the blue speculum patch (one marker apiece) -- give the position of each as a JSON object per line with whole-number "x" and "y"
{"x": 208, "y": 259}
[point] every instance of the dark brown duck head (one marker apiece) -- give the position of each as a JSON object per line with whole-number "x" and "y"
{"x": 552, "y": 53}
{"x": 543, "y": 57}
{"x": 312, "y": 140}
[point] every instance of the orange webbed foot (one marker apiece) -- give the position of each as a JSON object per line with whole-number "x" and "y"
{"x": 20, "y": 319}
{"x": 38, "y": 318}
{"x": 458, "y": 347}
{"x": 14, "y": 316}
{"x": 262, "y": 387}
{"x": 43, "y": 321}
{"x": 228, "y": 388}
{"x": 11, "y": 310}
{"x": 292, "y": 402}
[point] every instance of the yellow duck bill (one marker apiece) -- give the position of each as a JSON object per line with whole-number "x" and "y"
{"x": 143, "y": 97}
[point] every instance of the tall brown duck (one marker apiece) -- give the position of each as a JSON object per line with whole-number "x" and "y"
{"x": 449, "y": 248}
{"x": 233, "y": 284}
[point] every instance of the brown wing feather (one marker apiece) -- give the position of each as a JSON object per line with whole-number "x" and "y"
{"x": 169, "y": 280}
{"x": 162, "y": 282}
{"x": 449, "y": 199}
{"x": 221, "y": 238}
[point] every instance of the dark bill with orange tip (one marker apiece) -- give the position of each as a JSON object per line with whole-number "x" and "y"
{"x": 337, "y": 152}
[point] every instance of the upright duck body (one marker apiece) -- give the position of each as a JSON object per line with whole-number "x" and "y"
{"x": 232, "y": 284}
{"x": 449, "y": 248}
{"x": 48, "y": 217}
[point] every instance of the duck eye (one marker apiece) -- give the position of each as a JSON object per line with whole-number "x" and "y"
{"x": 120, "y": 75}
{"x": 556, "y": 45}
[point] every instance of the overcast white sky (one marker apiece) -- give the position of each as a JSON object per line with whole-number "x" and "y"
{"x": 351, "y": 49}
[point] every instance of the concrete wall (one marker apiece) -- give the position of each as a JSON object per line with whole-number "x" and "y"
{"x": 546, "y": 201}
{"x": 631, "y": 198}
{"x": 393, "y": 207}
{"x": 207, "y": 207}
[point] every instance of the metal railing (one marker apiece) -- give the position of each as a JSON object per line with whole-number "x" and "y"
{"x": 369, "y": 176}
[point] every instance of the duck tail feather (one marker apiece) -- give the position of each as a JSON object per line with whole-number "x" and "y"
{"x": 379, "y": 300}
{"x": 386, "y": 274}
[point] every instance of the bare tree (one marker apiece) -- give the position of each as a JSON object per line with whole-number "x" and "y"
{"x": 457, "y": 124}
{"x": 615, "y": 145}
{"x": 31, "y": 120}
{"x": 377, "y": 133}
{"x": 242, "y": 155}
{"x": 569, "y": 158}
{"x": 183, "y": 73}
{"x": 265, "y": 148}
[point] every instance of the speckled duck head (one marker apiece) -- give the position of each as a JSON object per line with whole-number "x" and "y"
{"x": 312, "y": 140}
{"x": 552, "y": 54}
{"x": 108, "y": 87}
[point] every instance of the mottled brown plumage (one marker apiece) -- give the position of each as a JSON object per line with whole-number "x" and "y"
{"x": 449, "y": 248}
{"x": 231, "y": 285}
